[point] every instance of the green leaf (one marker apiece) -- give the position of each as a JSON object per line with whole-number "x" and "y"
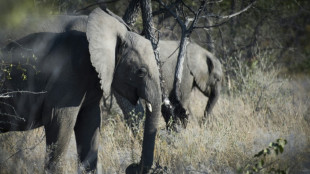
{"x": 261, "y": 163}
{"x": 24, "y": 76}
{"x": 281, "y": 149}
{"x": 255, "y": 169}
{"x": 277, "y": 151}
{"x": 268, "y": 151}
{"x": 282, "y": 142}
{"x": 259, "y": 153}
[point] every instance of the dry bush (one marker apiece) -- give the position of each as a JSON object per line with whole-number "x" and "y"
{"x": 268, "y": 108}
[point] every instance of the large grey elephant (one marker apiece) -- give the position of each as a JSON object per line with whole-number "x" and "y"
{"x": 202, "y": 70}
{"x": 57, "y": 80}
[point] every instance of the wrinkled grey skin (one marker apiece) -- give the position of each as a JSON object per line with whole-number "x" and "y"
{"x": 202, "y": 70}
{"x": 75, "y": 70}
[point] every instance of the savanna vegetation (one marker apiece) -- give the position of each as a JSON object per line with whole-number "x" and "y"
{"x": 264, "y": 49}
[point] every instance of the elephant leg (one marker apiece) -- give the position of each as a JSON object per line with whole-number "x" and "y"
{"x": 178, "y": 116}
{"x": 213, "y": 98}
{"x": 168, "y": 115}
{"x": 182, "y": 114}
{"x": 87, "y": 131}
{"x": 58, "y": 130}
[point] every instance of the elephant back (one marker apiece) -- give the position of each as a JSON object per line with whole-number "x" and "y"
{"x": 168, "y": 52}
{"x": 52, "y": 23}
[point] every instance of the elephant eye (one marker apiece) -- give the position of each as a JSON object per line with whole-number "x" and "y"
{"x": 141, "y": 72}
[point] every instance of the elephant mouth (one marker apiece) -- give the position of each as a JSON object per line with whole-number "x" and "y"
{"x": 132, "y": 94}
{"x": 147, "y": 103}
{"x": 133, "y": 97}
{"x": 127, "y": 91}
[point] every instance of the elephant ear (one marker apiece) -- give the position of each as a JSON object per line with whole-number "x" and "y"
{"x": 201, "y": 64}
{"x": 103, "y": 33}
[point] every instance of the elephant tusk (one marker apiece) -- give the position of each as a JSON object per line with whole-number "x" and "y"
{"x": 149, "y": 106}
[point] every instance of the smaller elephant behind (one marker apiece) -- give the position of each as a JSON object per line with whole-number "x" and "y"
{"x": 202, "y": 72}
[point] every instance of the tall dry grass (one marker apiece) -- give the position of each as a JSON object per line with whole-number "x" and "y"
{"x": 242, "y": 124}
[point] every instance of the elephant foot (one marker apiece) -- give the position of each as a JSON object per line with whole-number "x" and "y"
{"x": 175, "y": 117}
{"x": 181, "y": 114}
{"x": 205, "y": 120}
{"x": 136, "y": 169}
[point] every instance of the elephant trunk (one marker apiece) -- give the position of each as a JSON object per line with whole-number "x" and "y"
{"x": 151, "y": 122}
{"x": 153, "y": 111}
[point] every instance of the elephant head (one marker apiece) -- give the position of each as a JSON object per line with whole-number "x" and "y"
{"x": 125, "y": 61}
{"x": 201, "y": 70}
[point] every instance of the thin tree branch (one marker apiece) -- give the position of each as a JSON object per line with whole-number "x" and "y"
{"x": 181, "y": 23}
{"x": 231, "y": 15}
{"x": 94, "y": 4}
{"x": 212, "y": 26}
{"x": 13, "y": 116}
{"x": 131, "y": 13}
{"x": 8, "y": 94}
{"x": 188, "y": 7}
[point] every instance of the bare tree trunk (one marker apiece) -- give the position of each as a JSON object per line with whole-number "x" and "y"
{"x": 132, "y": 12}
{"x": 209, "y": 22}
{"x": 232, "y": 20}
{"x": 146, "y": 8}
{"x": 179, "y": 68}
{"x": 186, "y": 32}
{"x": 149, "y": 31}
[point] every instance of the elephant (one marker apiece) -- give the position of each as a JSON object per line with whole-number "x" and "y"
{"x": 59, "y": 80}
{"x": 202, "y": 70}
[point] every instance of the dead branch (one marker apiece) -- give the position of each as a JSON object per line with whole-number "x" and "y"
{"x": 9, "y": 94}
{"x": 92, "y": 5}
{"x": 231, "y": 15}
{"x": 131, "y": 13}
{"x": 149, "y": 31}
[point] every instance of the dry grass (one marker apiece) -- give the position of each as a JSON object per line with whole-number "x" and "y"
{"x": 241, "y": 125}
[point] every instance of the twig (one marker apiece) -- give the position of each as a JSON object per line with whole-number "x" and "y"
{"x": 306, "y": 10}
{"x": 8, "y": 94}
{"x": 10, "y": 106}
{"x": 94, "y": 4}
{"x": 232, "y": 15}
{"x": 14, "y": 116}
{"x": 212, "y": 26}
{"x": 188, "y": 7}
